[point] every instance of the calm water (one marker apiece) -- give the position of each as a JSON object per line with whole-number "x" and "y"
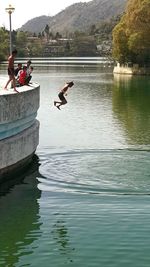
{"x": 85, "y": 201}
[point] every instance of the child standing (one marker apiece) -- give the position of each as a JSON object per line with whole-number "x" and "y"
{"x": 11, "y": 71}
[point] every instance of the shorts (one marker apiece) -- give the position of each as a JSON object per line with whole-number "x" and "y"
{"x": 11, "y": 72}
{"x": 61, "y": 97}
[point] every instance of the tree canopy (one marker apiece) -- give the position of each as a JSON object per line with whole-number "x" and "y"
{"x": 131, "y": 36}
{"x": 4, "y": 43}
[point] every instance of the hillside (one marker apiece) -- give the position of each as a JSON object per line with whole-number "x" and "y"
{"x": 36, "y": 24}
{"x": 79, "y": 16}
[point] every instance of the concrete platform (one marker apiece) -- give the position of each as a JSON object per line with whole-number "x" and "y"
{"x": 19, "y": 129}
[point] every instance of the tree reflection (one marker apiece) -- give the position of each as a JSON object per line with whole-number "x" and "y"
{"x": 19, "y": 211}
{"x": 130, "y": 101}
{"x": 60, "y": 235}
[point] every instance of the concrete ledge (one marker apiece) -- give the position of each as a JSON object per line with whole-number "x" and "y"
{"x": 19, "y": 129}
{"x": 17, "y": 106}
{"x": 11, "y": 129}
{"x": 135, "y": 70}
{"x": 19, "y": 147}
{"x": 14, "y": 170}
{"x": 29, "y": 168}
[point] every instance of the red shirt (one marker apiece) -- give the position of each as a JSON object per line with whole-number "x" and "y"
{"x": 22, "y": 77}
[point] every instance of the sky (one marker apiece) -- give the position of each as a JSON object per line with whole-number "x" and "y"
{"x": 28, "y": 9}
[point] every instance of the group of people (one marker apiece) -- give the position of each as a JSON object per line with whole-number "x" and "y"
{"x": 22, "y": 76}
{"x": 18, "y": 76}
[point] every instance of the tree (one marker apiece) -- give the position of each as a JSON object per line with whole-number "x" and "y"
{"x": 21, "y": 43}
{"x": 21, "y": 39}
{"x": 83, "y": 46}
{"x": 120, "y": 49}
{"x": 4, "y": 44}
{"x": 58, "y": 35}
{"x": 131, "y": 36}
{"x": 92, "y": 29}
{"x": 47, "y": 31}
{"x": 35, "y": 48}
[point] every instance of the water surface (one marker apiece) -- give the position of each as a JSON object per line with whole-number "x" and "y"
{"x": 86, "y": 199}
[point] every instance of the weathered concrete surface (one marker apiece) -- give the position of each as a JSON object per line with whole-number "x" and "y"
{"x": 19, "y": 146}
{"x": 19, "y": 129}
{"x": 16, "y": 106}
{"x": 16, "y": 150}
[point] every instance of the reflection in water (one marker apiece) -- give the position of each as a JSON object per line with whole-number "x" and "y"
{"x": 130, "y": 99}
{"x": 19, "y": 216}
{"x": 60, "y": 235}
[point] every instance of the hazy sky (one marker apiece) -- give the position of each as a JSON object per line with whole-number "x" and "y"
{"x": 28, "y": 9}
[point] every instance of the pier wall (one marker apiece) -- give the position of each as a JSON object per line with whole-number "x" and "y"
{"x": 134, "y": 70}
{"x": 19, "y": 129}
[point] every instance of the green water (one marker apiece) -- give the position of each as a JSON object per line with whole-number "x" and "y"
{"x": 85, "y": 201}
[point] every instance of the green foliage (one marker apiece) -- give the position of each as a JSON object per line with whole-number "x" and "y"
{"x": 35, "y": 49}
{"x": 120, "y": 42}
{"x": 47, "y": 31}
{"x": 83, "y": 46}
{"x": 75, "y": 43}
{"x": 131, "y": 37}
{"x": 81, "y": 24}
{"x": 21, "y": 39}
{"x": 102, "y": 33}
{"x": 58, "y": 35}
{"x": 4, "y": 44}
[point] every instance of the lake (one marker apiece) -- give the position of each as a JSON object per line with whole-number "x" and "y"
{"x": 85, "y": 201}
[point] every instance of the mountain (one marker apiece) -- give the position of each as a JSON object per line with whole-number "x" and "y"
{"x": 79, "y": 16}
{"x": 36, "y": 24}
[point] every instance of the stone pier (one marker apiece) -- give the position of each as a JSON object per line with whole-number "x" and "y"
{"x": 19, "y": 129}
{"x": 131, "y": 70}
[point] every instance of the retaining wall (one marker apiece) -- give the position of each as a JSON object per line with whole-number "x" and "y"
{"x": 134, "y": 70}
{"x": 19, "y": 129}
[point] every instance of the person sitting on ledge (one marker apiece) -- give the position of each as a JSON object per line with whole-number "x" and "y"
{"x": 29, "y": 76}
{"x": 22, "y": 76}
{"x": 19, "y": 67}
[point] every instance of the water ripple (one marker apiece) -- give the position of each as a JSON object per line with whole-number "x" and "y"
{"x": 120, "y": 171}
